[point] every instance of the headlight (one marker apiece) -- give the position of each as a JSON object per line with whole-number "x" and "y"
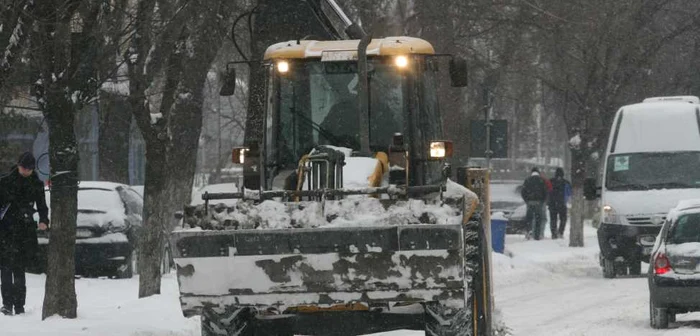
{"x": 84, "y": 233}
{"x": 440, "y": 149}
{"x": 238, "y": 155}
{"x": 111, "y": 227}
{"x": 610, "y": 216}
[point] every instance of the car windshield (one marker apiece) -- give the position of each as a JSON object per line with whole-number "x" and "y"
{"x": 319, "y": 106}
{"x": 95, "y": 199}
{"x": 686, "y": 230}
{"x": 643, "y": 171}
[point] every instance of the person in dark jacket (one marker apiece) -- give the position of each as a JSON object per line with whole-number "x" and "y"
{"x": 534, "y": 193}
{"x": 20, "y": 191}
{"x": 558, "y": 200}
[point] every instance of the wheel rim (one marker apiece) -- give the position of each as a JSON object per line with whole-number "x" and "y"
{"x": 165, "y": 262}
{"x": 134, "y": 262}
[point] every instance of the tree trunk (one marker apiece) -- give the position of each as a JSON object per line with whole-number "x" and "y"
{"x": 59, "y": 298}
{"x": 186, "y": 127}
{"x": 578, "y": 175}
{"x": 155, "y": 207}
{"x": 115, "y": 123}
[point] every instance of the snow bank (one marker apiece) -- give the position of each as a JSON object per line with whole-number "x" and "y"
{"x": 105, "y": 308}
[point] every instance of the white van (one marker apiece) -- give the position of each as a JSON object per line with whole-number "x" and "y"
{"x": 652, "y": 162}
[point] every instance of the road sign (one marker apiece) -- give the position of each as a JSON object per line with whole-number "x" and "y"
{"x": 499, "y": 138}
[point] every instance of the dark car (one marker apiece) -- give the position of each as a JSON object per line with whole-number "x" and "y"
{"x": 108, "y": 228}
{"x": 505, "y": 196}
{"x": 674, "y": 269}
{"x": 516, "y": 221}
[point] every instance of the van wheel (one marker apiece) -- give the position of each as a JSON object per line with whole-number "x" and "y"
{"x": 635, "y": 268}
{"x": 609, "y": 271}
{"x": 659, "y": 317}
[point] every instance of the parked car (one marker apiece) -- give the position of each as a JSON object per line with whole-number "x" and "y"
{"x": 674, "y": 268}
{"x": 138, "y": 189}
{"x": 109, "y": 225}
{"x": 505, "y": 196}
{"x": 516, "y": 221}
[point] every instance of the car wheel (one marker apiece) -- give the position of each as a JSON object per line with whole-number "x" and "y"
{"x": 130, "y": 267}
{"x": 609, "y": 271}
{"x": 659, "y": 317}
{"x": 165, "y": 265}
{"x": 635, "y": 268}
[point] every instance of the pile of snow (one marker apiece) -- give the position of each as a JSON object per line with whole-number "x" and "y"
{"x": 365, "y": 211}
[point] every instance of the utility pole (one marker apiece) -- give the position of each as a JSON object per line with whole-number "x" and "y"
{"x": 488, "y": 98}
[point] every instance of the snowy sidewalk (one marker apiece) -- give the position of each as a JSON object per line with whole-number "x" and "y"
{"x": 105, "y": 307}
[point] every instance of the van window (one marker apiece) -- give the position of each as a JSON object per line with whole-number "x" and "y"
{"x": 643, "y": 171}
{"x": 686, "y": 230}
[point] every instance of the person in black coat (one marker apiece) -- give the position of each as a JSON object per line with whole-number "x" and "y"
{"x": 558, "y": 199}
{"x": 20, "y": 191}
{"x": 534, "y": 193}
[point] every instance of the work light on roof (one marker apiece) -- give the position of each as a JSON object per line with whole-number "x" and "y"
{"x": 283, "y": 66}
{"x": 401, "y": 61}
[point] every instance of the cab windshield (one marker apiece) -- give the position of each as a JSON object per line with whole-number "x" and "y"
{"x": 319, "y": 104}
{"x": 643, "y": 171}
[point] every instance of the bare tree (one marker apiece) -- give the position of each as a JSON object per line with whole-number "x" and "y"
{"x": 172, "y": 51}
{"x": 67, "y": 48}
{"x": 114, "y": 110}
{"x": 597, "y": 54}
{"x": 17, "y": 20}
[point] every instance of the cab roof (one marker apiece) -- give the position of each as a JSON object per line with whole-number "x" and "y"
{"x": 388, "y": 46}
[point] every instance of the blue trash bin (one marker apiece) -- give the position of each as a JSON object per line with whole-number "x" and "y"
{"x": 498, "y": 235}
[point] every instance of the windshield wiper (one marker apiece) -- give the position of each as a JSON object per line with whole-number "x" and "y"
{"x": 629, "y": 186}
{"x": 669, "y": 185}
{"x": 322, "y": 131}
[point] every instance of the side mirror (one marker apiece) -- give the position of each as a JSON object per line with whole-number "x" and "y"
{"x": 179, "y": 215}
{"x": 590, "y": 191}
{"x": 458, "y": 72}
{"x": 229, "y": 85}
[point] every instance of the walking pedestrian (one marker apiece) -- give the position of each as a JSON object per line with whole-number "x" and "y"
{"x": 20, "y": 192}
{"x": 534, "y": 193}
{"x": 558, "y": 200}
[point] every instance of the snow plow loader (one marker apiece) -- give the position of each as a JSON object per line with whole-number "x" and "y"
{"x": 346, "y": 221}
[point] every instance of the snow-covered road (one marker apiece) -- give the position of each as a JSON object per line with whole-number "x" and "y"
{"x": 547, "y": 288}
{"x": 543, "y": 288}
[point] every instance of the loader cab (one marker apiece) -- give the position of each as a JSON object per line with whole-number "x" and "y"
{"x": 312, "y": 99}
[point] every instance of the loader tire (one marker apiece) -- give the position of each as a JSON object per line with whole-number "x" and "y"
{"x": 443, "y": 321}
{"x": 232, "y": 321}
